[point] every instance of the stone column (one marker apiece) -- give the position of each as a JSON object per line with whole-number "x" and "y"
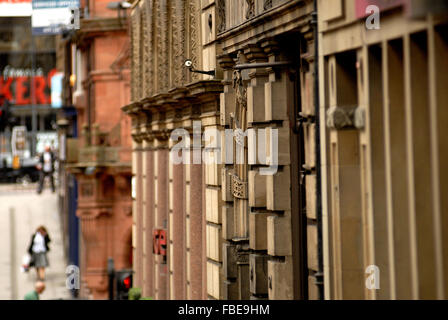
{"x": 137, "y": 206}
{"x": 227, "y": 107}
{"x": 279, "y": 97}
{"x": 257, "y": 182}
{"x": 148, "y": 218}
{"x": 177, "y": 232}
{"x": 161, "y": 208}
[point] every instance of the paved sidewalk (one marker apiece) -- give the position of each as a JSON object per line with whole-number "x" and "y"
{"x": 30, "y": 211}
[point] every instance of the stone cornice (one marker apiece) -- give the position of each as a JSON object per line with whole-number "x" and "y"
{"x": 179, "y": 98}
{"x": 96, "y": 26}
{"x": 261, "y": 26}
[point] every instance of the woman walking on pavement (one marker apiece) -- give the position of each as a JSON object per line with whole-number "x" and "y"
{"x": 38, "y": 249}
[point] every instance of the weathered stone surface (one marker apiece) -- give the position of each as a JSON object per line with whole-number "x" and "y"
{"x": 313, "y": 262}
{"x": 258, "y": 273}
{"x": 214, "y": 241}
{"x": 213, "y": 280}
{"x": 279, "y": 236}
{"x": 243, "y": 281}
{"x": 213, "y": 205}
{"x": 278, "y": 190}
{"x": 257, "y": 189}
{"x": 228, "y": 230}
{"x": 309, "y": 137}
{"x": 229, "y": 261}
{"x": 276, "y": 96}
{"x": 226, "y": 186}
{"x": 310, "y": 183}
{"x": 280, "y": 280}
{"x": 313, "y": 290}
{"x": 258, "y": 230}
{"x": 255, "y": 104}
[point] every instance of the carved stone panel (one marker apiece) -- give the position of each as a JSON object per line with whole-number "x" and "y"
{"x": 221, "y": 14}
{"x": 250, "y": 11}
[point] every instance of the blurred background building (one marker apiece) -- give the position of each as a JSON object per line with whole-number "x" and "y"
{"x": 97, "y": 168}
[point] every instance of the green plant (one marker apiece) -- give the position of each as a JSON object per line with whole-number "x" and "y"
{"x": 146, "y": 298}
{"x": 135, "y": 294}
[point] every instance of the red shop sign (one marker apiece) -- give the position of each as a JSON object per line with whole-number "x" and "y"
{"x": 159, "y": 242}
{"x": 18, "y": 89}
{"x": 361, "y": 5}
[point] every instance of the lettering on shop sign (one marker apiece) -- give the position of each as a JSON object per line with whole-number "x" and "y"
{"x": 17, "y": 85}
{"x": 159, "y": 242}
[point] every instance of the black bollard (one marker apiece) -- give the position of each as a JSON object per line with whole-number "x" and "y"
{"x": 111, "y": 275}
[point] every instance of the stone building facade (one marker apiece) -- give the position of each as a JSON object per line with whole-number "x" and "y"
{"x": 382, "y": 93}
{"x": 100, "y": 159}
{"x": 222, "y": 229}
{"x": 332, "y": 177}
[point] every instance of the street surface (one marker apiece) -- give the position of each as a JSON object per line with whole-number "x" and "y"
{"x": 29, "y": 211}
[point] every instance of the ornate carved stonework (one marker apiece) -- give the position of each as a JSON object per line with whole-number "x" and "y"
{"x": 239, "y": 188}
{"x": 194, "y": 37}
{"x": 178, "y": 42}
{"x": 138, "y": 42}
{"x": 221, "y": 10}
{"x": 134, "y": 60}
{"x": 267, "y": 4}
{"x": 241, "y": 98}
{"x": 250, "y": 12}
{"x": 150, "y": 39}
{"x": 145, "y": 54}
{"x": 159, "y": 46}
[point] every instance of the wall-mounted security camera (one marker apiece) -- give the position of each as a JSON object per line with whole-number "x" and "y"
{"x": 189, "y": 64}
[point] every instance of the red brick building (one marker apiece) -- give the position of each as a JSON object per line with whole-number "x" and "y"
{"x": 99, "y": 68}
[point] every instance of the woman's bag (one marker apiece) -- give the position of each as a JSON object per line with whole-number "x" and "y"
{"x": 27, "y": 262}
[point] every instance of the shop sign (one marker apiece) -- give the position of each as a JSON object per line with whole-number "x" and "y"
{"x": 159, "y": 242}
{"x": 15, "y": 8}
{"x": 17, "y": 85}
{"x": 382, "y": 5}
{"x": 52, "y": 16}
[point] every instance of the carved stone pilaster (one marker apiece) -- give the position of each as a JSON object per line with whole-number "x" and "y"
{"x": 250, "y": 11}
{"x": 267, "y": 4}
{"x": 145, "y": 48}
{"x": 135, "y": 56}
{"x": 159, "y": 46}
{"x": 137, "y": 53}
{"x": 221, "y": 14}
{"x": 150, "y": 15}
{"x": 339, "y": 118}
{"x": 179, "y": 45}
{"x": 194, "y": 37}
{"x": 255, "y": 54}
{"x": 241, "y": 100}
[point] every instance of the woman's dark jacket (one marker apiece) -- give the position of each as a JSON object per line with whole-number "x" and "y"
{"x": 47, "y": 241}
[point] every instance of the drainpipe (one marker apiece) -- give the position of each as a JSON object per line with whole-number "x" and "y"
{"x": 319, "y": 276}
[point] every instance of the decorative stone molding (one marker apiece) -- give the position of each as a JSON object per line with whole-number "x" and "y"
{"x": 150, "y": 43}
{"x": 241, "y": 96}
{"x": 225, "y": 61}
{"x": 179, "y": 29}
{"x": 194, "y": 37}
{"x": 267, "y": 4}
{"x": 339, "y": 118}
{"x": 239, "y": 188}
{"x": 360, "y": 118}
{"x": 250, "y": 11}
{"x": 221, "y": 14}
